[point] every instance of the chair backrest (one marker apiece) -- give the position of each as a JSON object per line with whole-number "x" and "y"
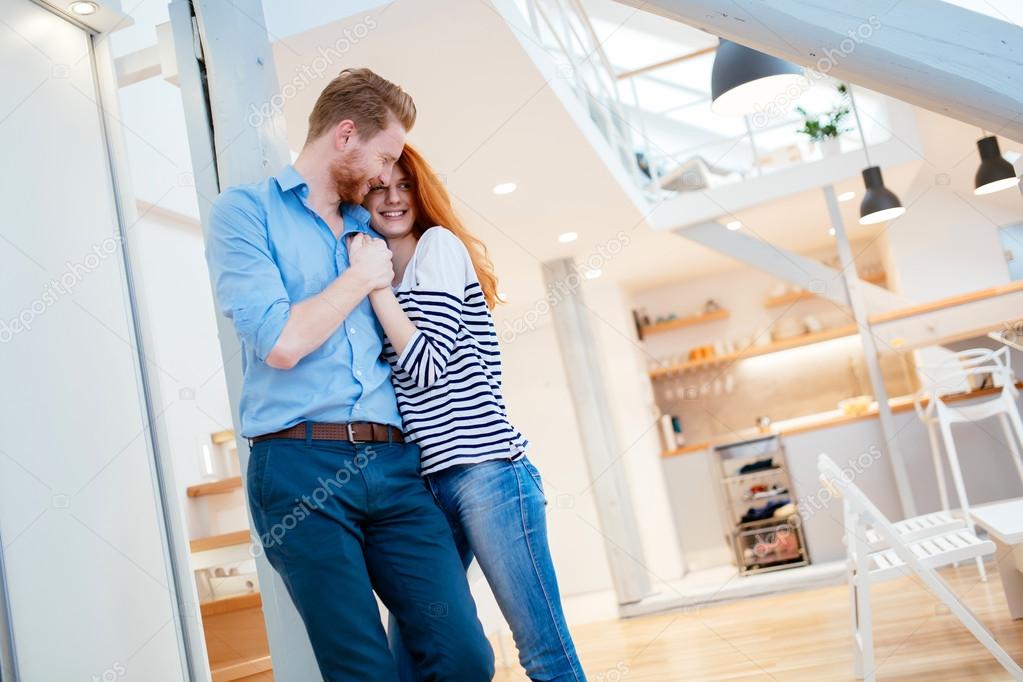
{"x": 840, "y": 484}
{"x": 965, "y": 371}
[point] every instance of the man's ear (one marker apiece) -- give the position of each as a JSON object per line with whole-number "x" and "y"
{"x": 343, "y": 133}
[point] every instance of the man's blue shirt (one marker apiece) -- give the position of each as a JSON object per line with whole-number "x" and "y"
{"x": 267, "y": 249}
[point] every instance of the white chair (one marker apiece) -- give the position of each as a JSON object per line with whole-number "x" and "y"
{"x": 900, "y": 557}
{"x": 960, "y": 373}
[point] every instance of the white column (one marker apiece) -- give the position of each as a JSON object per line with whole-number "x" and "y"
{"x": 237, "y": 147}
{"x": 601, "y": 445}
{"x": 884, "y": 410}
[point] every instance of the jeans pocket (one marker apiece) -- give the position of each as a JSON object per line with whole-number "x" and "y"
{"x": 534, "y": 474}
{"x": 259, "y": 478}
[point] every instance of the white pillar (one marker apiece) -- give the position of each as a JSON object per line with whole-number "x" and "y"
{"x": 601, "y": 446}
{"x": 237, "y": 147}
{"x": 884, "y": 410}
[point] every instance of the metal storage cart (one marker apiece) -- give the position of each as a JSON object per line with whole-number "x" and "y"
{"x": 759, "y": 506}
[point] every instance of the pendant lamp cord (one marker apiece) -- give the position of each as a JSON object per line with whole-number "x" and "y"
{"x": 859, "y": 126}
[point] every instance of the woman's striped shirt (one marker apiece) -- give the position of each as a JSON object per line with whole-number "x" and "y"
{"x": 448, "y": 378}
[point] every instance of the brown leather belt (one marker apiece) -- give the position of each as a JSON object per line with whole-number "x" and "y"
{"x": 353, "y": 432}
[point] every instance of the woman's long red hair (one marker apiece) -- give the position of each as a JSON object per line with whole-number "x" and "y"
{"x": 433, "y": 207}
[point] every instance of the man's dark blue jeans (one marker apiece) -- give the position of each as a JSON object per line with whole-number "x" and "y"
{"x": 339, "y": 520}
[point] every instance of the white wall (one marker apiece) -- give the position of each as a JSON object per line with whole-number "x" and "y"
{"x": 186, "y": 357}
{"x": 540, "y": 405}
{"x": 947, "y": 241}
{"x": 635, "y": 414}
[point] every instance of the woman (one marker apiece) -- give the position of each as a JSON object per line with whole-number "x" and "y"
{"x": 442, "y": 346}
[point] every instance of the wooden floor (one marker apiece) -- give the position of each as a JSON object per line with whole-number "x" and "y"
{"x": 800, "y": 636}
{"x": 804, "y": 636}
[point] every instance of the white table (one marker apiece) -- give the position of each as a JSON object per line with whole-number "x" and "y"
{"x": 1004, "y": 523}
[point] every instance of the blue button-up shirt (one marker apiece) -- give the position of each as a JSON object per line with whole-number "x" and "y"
{"x": 266, "y": 249}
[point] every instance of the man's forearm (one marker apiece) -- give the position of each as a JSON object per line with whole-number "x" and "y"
{"x": 312, "y": 321}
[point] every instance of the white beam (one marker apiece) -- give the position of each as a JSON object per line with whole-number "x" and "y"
{"x": 801, "y": 271}
{"x": 939, "y": 56}
{"x": 138, "y": 66}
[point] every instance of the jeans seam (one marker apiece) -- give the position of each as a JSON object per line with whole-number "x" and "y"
{"x": 539, "y": 576}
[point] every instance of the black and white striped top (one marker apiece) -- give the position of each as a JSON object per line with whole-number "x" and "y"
{"x": 448, "y": 379}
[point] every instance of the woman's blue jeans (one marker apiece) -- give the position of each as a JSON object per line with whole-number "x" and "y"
{"x": 497, "y": 514}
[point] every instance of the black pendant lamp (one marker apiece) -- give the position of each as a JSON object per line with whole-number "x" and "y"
{"x": 742, "y": 78}
{"x": 994, "y": 173}
{"x": 879, "y": 203}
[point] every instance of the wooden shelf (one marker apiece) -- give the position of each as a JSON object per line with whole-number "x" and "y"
{"x": 825, "y": 420}
{"x": 801, "y": 295}
{"x": 681, "y": 322}
{"x": 244, "y": 670}
{"x": 240, "y": 537}
{"x": 752, "y": 351}
{"x": 224, "y": 485}
{"x": 221, "y": 437}
{"x": 237, "y": 602}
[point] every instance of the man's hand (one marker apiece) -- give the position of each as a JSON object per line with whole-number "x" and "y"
{"x": 371, "y": 261}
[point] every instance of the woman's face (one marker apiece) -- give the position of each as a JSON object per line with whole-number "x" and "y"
{"x": 391, "y": 207}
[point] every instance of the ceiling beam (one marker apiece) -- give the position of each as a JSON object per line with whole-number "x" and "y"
{"x": 930, "y": 53}
{"x": 624, "y": 75}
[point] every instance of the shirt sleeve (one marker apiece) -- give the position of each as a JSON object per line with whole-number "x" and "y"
{"x": 434, "y": 305}
{"x": 246, "y": 280}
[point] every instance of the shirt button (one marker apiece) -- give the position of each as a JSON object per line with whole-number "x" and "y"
{"x": 351, "y": 331}
{"x": 356, "y": 405}
{"x": 358, "y": 372}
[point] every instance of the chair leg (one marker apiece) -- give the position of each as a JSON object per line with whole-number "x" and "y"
{"x": 1014, "y": 435}
{"x": 858, "y": 575}
{"x": 957, "y": 478}
{"x": 939, "y": 466}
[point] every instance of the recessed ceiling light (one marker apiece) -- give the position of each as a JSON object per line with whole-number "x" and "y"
{"x": 566, "y": 237}
{"x": 505, "y": 188}
{"x": 83, "y": 8}
{"x": 831, "y": 231}
{"x": 734, "y": 225}
{"x": 594, "y": 273}
{"x": 501, "y": 296}
{"x": 846, "y": 196}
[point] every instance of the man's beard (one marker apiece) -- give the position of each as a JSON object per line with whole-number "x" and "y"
{"x": 351, "y": 185}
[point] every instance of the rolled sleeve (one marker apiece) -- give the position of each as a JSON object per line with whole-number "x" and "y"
{"x": 246, "y": 279}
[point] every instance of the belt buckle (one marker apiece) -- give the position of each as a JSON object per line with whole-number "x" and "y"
{"x": 351, "y": 435}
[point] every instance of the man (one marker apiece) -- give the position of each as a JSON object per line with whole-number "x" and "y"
{"x": 334, "y": 491}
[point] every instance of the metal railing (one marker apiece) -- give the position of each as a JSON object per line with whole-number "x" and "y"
{"x": 563, "y": 28}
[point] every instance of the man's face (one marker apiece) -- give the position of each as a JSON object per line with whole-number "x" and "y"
{"x": 363, "y": 164}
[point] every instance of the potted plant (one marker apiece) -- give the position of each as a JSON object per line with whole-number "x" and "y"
{"x": 824, "y": 129}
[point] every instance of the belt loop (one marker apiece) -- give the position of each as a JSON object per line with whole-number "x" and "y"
{"x": 390, "y": 435}
{"x": 308, "y": 433}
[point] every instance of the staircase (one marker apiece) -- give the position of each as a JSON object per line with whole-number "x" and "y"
{"x": 235, "y": 632}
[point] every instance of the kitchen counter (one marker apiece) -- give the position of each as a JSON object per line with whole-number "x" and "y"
{"x": 855, "y": 442}
{"x": 819, "y": 420}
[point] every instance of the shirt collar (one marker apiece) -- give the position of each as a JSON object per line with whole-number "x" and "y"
{"x": 356, "y": 217}
{"x": 289, "y": 179}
